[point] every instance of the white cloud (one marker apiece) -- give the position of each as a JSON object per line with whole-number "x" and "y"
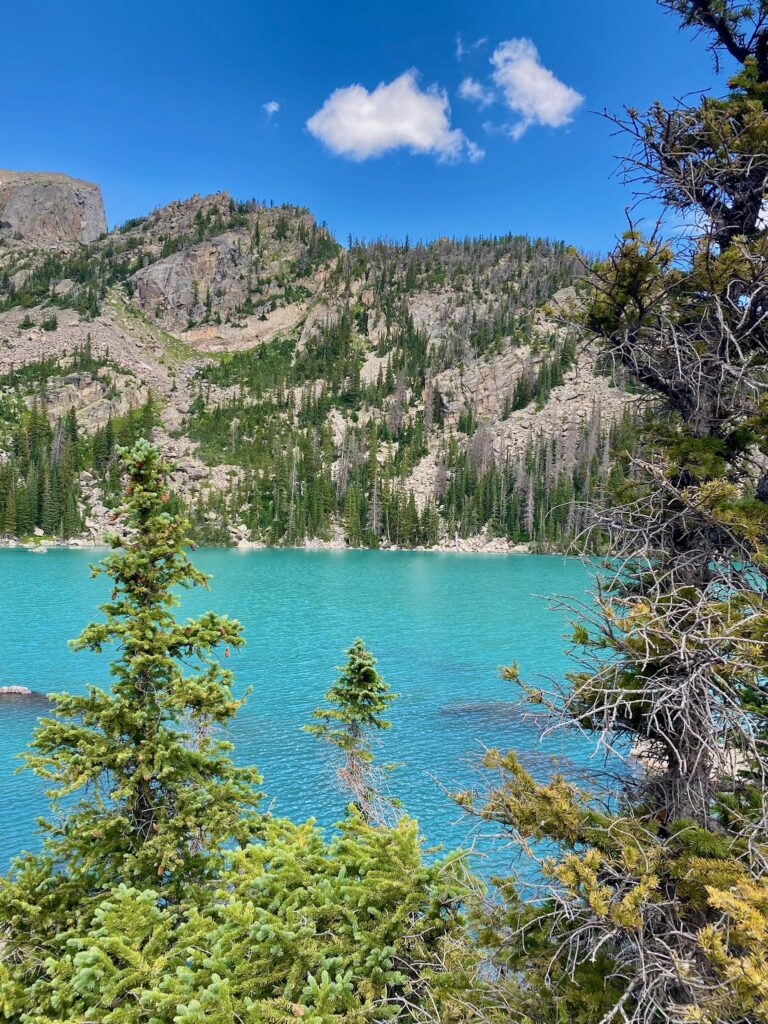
{"x": 359, "y": 124}
{"x": 463, "y": 48}
{"x": 271, "y": 107}
{"x": 471, "y": 89}
{"x": 531, "y": 90}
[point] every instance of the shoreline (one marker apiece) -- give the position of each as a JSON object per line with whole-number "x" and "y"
{"x": 463, "y": 546}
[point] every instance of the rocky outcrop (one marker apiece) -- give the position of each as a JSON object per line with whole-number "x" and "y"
{"x": 50, "y": 210}
{"x": 179, "y": 285}
{"x": 236, "y": 273}
{"x": 95, "y": 397}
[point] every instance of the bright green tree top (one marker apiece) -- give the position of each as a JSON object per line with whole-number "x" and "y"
{"x": 361, "y": 697}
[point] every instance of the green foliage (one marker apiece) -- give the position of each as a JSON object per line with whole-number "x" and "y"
{"x": 358, "y": 929}
{"x": 39, "y": 483}
{"x": 549, "y": 374}
{"x": 35, "y": 376}
{"x": 40, "y": 479}
{"x": 361, "y": 698}
{"x": 256, "y": 370}
{"x": 276, "y": 427}
{"x": 92, "y": 272}
{"x": 156, "y": 794}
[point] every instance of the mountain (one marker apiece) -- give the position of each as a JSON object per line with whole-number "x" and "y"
{"x": 376, "y": 394}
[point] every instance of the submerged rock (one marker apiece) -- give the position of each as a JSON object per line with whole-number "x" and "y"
{"x": 491, "y": 709}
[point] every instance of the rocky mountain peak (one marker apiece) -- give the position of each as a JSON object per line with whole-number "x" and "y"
{"x": 50, "y": 209}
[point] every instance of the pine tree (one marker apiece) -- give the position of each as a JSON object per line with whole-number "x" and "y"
{"x": 158, "y": 795}
{"x": 9, "y": 512}
{"x": 360, "y": 698}
{"x": 430, "y": 528}
{"x": 656, "y": 903}
{"x": 352, "y": 525}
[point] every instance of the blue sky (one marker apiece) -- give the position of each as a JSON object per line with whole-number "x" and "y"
{"x": 156, "y": 101}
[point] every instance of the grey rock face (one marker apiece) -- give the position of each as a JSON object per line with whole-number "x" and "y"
{"x": 180, "y": 284}
{"x": 50, "y": 209}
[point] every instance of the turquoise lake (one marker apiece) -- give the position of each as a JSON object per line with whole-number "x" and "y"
{"x": 439, "y": 624}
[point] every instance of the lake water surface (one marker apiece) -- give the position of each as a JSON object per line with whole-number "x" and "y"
{"x": 440, "y": 625}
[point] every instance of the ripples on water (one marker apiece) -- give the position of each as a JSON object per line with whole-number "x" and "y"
{"x": 440, "y": 625}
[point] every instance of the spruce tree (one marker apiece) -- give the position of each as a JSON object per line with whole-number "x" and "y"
{"x": 143, "y": 789}
{"x": 360, "y": 698}
{"x": 9, "y": 512}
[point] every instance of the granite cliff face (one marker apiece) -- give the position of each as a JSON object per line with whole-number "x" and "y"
{"x": 307, "y": 393}
{"x": 50, "y": 209}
